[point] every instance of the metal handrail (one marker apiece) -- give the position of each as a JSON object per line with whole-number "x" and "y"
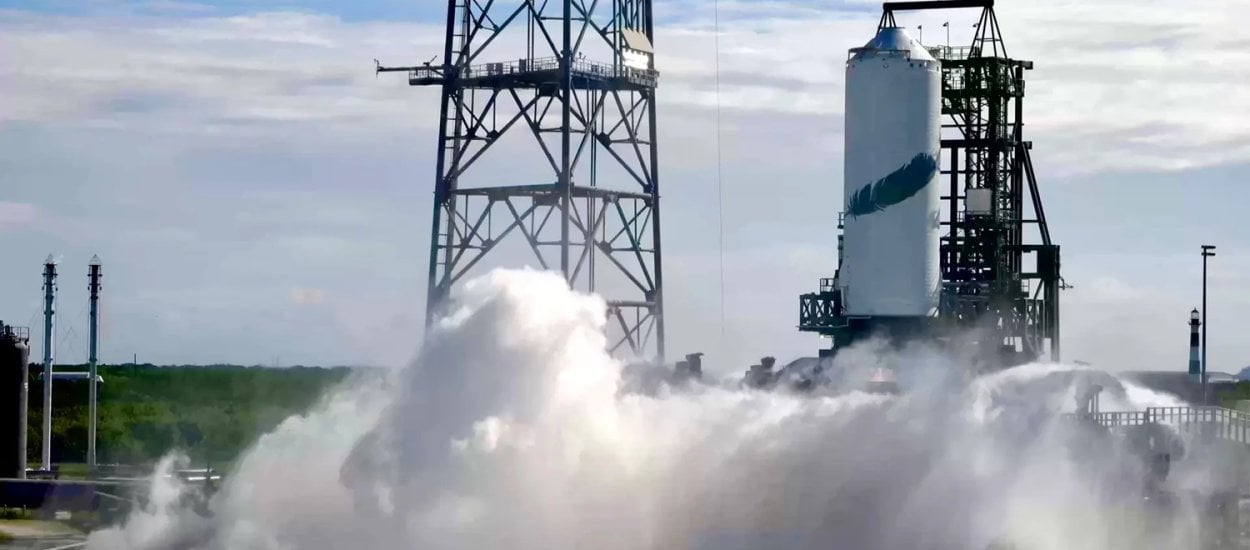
{"x": 19, "y": 333}
{"x": 1228, "y": 424}
{"x": 521, "y": 66}
{"x": 855, "y": 51}
{"x": 953, "y": 52}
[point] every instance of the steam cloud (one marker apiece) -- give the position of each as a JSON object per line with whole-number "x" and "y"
{"x": 511, "y": 431}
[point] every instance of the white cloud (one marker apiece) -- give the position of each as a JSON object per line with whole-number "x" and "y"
{"x": 17, "y": 215}
{"x": 1117, "y": 84}
{"x": 251, "y": 151}
{"x": 203, "y": 75}
{"x": 307, "y": 296}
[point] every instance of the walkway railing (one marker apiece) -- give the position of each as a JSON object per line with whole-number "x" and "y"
{"x": 581, "y": 68}
{"x": 1218, "y": 422}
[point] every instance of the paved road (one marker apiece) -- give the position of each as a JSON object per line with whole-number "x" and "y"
{"x": 54, "y": 543}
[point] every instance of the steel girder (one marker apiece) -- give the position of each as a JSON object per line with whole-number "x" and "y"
{"x": 555, "y": 70}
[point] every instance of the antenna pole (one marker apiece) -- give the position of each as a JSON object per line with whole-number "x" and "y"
{"x": 93, "y": 275}
{"x": 49, "y": 341}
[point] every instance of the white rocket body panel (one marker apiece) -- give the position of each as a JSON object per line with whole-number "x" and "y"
{"x": 890, "y": 265}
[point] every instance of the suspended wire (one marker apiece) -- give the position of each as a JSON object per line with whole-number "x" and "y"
{"x": 68, "y": 335}
{"x": 68, "y": 344}
{"x": 720, "y": 192}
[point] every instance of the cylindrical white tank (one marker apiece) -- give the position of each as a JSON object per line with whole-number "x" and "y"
{"x": 890, "y": 264}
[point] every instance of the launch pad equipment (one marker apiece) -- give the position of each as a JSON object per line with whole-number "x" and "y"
{"x": 14, "y": 389}
{"x": 937, "y": 246}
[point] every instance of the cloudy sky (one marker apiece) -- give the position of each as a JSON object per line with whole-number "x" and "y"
{"x": 258, "y": 196}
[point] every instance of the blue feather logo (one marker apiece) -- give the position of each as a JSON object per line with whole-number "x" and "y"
{"x": 896, "y": 187}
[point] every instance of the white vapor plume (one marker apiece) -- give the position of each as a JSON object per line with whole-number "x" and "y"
{"x": 511, "y": 430}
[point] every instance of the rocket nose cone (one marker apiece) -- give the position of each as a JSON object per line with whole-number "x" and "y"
{"x": 895, "y": 39}
{"x": 95, "y": 260}
{"x": 50, "y": 260}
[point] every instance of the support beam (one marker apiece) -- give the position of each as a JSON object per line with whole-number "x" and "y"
{"x": 937, "y": 5}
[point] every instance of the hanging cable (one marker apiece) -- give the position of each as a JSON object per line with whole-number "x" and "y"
{"x": 720, "y": 193}
{"x": 69, "y": 337}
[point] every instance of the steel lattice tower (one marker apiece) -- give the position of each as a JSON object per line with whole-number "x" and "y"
{"x": 993, "y": 274}
{"x": 578, "y": 76}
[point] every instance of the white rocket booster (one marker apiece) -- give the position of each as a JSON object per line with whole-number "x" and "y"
{"x": 890, "y": 265}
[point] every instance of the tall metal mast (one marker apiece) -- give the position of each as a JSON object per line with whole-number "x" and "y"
{"x": 93, "y": 275}
{"x": 49, "y": 352}
{"x": 579, "y": 79}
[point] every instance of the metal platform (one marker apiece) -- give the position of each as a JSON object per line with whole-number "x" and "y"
{"x": 536, "y": 73}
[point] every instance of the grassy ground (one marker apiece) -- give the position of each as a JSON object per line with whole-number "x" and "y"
{"x": 73, "y": 470}
{"x": 35, "y": 529}
{"x": 1229, "y": 395}
{"x": 15, "y": 513}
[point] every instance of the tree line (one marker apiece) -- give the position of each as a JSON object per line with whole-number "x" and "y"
{"x": 211, "y": 412}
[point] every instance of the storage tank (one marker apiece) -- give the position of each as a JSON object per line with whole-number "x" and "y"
{"x": 14, "y": 384}
{"x": 892, "y": 213}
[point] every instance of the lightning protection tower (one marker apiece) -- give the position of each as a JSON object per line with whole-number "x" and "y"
{"x": 547, "y": 150}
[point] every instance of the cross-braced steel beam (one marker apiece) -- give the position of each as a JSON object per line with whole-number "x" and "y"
{"x": 574, "y": 82}
{"x": 992, "y": 276}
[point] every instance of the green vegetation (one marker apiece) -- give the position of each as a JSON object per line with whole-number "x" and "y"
{"x": 1229, "y": 394}
{"x": 9, "y": 514}
{"x": 210, "y": 412}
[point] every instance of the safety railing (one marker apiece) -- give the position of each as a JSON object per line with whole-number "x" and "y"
{"x": 1120, "y": 419}
{"x": 905, "y": 54}
{"x": 580, "y": 68}
{"x": 1218, "y": 422}
{"x": 953, "y": 52}
{"x": 18, "y": 333}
